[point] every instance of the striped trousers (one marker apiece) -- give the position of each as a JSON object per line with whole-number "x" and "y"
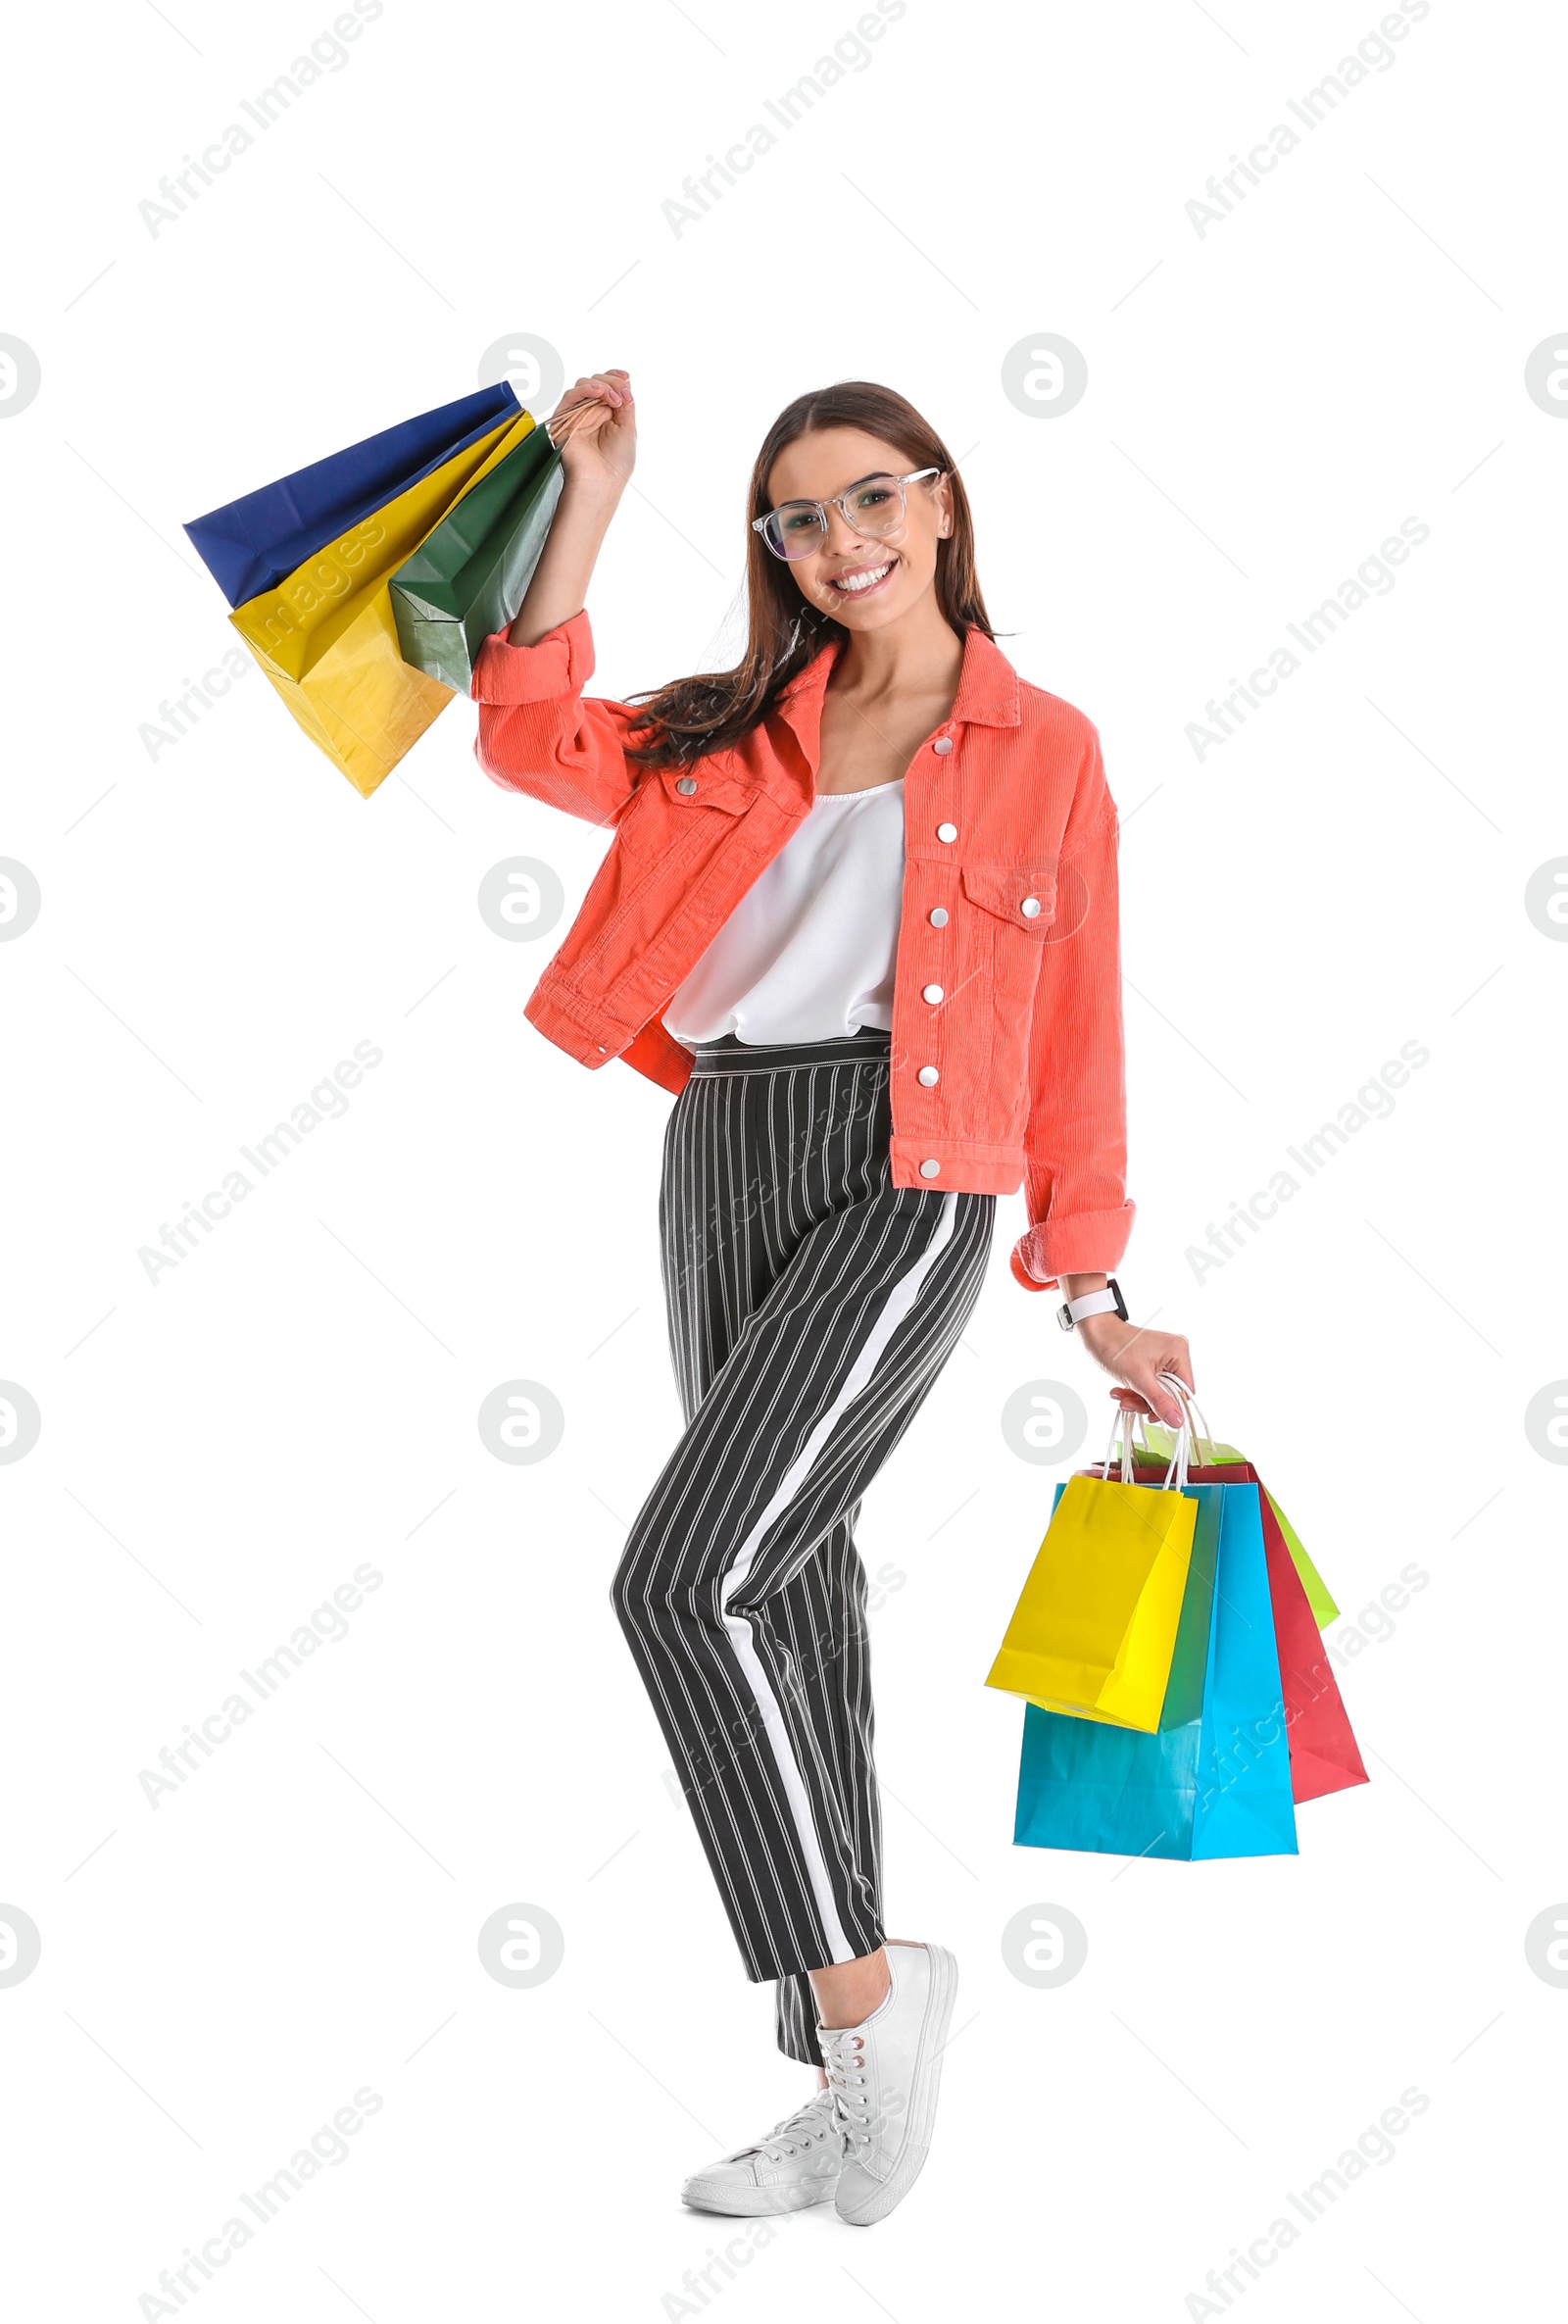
{"x": 811, "y": 1304}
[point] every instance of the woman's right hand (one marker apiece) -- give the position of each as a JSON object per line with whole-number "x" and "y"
{"x": 600, "y": 449}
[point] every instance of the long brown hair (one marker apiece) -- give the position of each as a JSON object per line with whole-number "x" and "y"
{"x": 691, "y": 716}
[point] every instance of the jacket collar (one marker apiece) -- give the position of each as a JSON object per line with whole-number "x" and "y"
{"x": 988, "y": 684}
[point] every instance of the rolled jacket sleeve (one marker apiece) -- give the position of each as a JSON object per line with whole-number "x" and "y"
{"x": 540, "y": 734}
{"x": 1075, "y": 1140}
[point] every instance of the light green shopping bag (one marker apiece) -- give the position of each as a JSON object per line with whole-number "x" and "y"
{"x": 1209, "y": 1453}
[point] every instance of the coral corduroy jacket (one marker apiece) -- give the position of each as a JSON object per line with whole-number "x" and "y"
{"x": 1007, "y": 1047}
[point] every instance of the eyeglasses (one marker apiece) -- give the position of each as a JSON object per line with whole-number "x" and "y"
{"x": 874, "y": 507}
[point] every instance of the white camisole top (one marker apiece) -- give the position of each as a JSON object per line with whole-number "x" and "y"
{"x": 807, "y": 954}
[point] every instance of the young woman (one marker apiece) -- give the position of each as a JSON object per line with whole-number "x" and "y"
{"x": 859, "y": 913}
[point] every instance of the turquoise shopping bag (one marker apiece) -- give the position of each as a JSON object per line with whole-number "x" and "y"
{"x": 1215, "y": 1779}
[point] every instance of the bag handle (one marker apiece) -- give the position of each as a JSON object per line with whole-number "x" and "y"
{"x": 568, "y": 422}
{"x": 1122, "y": 1426}
{"x": 1204, "y": 1434}
{"x": 1201, "y": 1436}
{"x": 1185, "y": 1449}
{"x": 1119, "y": 1426}
{"x": 1179, "y": 1459}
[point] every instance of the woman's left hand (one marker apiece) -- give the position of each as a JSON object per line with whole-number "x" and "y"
{"x": 1135, "y": 1357}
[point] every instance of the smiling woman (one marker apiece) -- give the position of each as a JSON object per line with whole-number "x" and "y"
{"x": 859, "y": 914}
{"x": 868, "y": 541}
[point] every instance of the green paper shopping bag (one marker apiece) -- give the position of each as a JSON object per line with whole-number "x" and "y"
{"x": 256, "y": 542}
{"x": 1209, "y": 1453}
{"x": 468, "y": 577}
{"x": 326, "y": 636}
{"x": 1324, "y": 1755}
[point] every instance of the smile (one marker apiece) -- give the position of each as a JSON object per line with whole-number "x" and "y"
{"x": 870, "y": 577}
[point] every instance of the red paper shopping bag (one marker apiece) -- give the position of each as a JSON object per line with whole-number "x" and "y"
{"x": 1324, "y": 1755}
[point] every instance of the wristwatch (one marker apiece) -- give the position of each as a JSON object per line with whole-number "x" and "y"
{"x": 1094, "y": 1302}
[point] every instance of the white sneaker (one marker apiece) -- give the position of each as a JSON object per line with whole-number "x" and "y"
{"x": 883, "y": 2077}
{"x": 794, "y": 2166}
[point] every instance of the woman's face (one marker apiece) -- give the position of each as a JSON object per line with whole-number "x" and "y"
{"x": 864, "y": 583}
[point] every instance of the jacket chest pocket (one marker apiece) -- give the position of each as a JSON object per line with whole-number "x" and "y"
{"x": 692, "y": 790}
{"x": 1016, "y": 910}
{"x": 665, "y": 839}
{"x": 1020, "y": 897}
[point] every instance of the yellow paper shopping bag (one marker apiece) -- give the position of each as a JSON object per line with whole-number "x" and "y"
{"x": 327, "y": 637}
{"x": 1094, "y": 1629}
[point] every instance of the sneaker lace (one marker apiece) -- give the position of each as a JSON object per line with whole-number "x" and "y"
{"x": 844, "y": 2062}
{"x": 800, "y": 2129}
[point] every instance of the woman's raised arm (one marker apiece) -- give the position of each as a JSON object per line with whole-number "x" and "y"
{"x": 597, "y": 454}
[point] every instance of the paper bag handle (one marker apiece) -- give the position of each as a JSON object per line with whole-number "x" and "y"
{"x": 1121, "y": 1426}
{"x": 1188, "y": 1440}
{"x": 569, "y": 420}
{"x": 1202, "y": 1437}
{"x": 1181, "y": 1457}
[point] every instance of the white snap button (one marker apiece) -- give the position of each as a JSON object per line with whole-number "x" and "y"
{"x": 928, "y": 1076}
{"x": 929, "y": 1169}
{"x": 947, "y": 830}
{"x": 941, "y": 745}
{"x": 687, "y": 783}
{"x": 938, "y": 918}
{"x": 931, "y": 993}
{"x": 1030, "y": 907}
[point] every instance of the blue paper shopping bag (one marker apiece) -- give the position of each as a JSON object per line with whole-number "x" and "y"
{"x": 254, "y": 544}
{"x": 1215, "y": 1779}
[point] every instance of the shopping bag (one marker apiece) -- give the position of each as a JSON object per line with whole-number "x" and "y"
{"x": 1214, "y": 1782}
{"x": 1095, "y": 1626}
{"x": 327, "y": 637}
{"x": 1189, "y": 1661}
{"x": 1209, "y": 1453}
{"x": 1324, "y": 1755}
{"x": 468, "y": 578}
{"x": 1324, "y": 1610}
{"x": 253, "y": 544}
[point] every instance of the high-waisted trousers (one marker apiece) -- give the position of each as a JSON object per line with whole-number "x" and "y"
{"x": 811, "y": 1303}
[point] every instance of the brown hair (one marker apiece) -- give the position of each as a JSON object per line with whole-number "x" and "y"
{"x": 691, "y": 716}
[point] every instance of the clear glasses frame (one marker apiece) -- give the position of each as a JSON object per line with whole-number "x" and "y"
{"x": 769, "y": 528}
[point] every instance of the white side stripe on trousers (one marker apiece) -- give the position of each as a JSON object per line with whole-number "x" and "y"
{"x": 896, "y": 1308}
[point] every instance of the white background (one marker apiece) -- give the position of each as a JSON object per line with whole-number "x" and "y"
{"x": 221, "y": 925}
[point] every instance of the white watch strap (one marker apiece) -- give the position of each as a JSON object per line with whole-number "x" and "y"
{"x": 1093, "y": 1302}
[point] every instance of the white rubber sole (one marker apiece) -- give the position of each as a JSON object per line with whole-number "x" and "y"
{"x": 754, "y": 2202}
{"x": 866, "y": 2210}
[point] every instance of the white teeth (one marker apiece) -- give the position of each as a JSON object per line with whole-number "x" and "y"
{"x": 853, "y": 581}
